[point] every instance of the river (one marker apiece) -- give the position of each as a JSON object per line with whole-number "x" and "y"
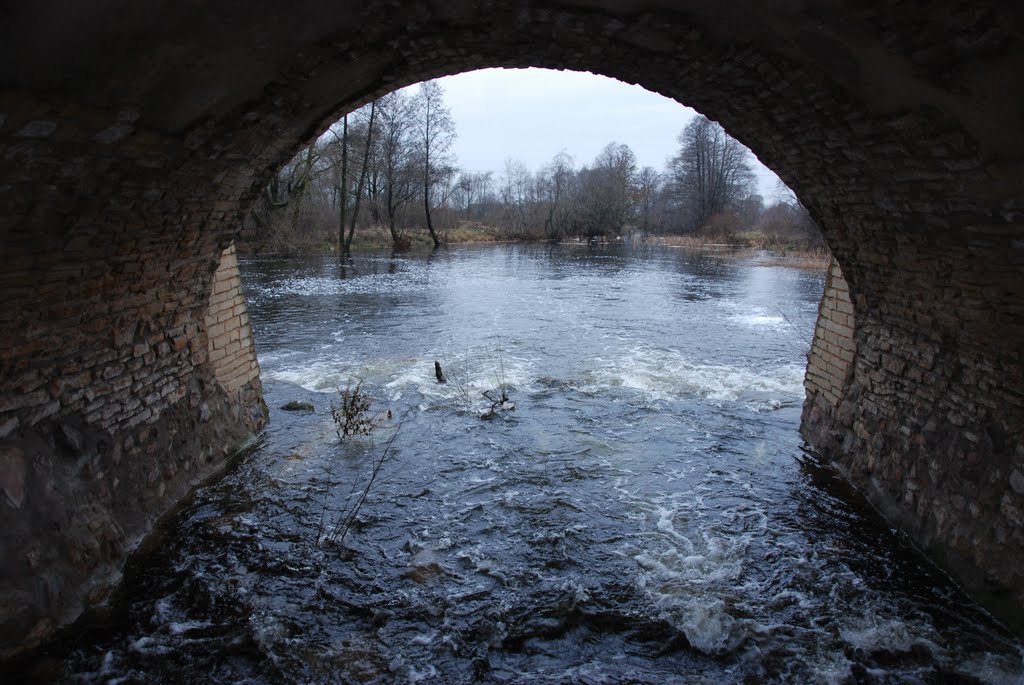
{"x": 647, "y": 513}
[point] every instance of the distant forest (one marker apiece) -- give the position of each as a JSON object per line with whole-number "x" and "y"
{"x": 385, "y": 175}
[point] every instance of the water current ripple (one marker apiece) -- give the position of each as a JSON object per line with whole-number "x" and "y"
{"x": 646, "y": 515}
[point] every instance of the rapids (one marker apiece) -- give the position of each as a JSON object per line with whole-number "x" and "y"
{"x": 647, "y": 514}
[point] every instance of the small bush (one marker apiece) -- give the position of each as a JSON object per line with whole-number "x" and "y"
{"x": 353, "y": 417}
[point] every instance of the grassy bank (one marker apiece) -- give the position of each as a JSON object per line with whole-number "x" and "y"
{"x": 759, "y": 247}
{"x": 376, "y": 238}
{"x": 379, "y": 238}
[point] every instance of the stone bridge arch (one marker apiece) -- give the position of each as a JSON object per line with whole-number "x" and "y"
{"x": 133, "y": 136}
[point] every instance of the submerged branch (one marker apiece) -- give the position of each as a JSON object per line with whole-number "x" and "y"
{"x": 345, "y": 522}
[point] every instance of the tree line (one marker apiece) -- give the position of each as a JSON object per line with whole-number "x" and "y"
{"x": 387, "y": 169}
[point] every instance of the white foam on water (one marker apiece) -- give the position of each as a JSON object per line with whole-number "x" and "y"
{"x": 708, "y": 625}
{"x": 656, "y": 373}
{"x": 990, "y": 668}
{"x": 664, "y": 374}
{"x": 330, "y": 375}
{"x": 149, "y": 646}
{"x": 752, "y": 316}
{"x": 321, "y": 376}
{"x": 764, "y": 406}
{"x": 423, "y": 638}
{"x": 369, "y": 284}
{"x": 703, "y": 567}
{"x": 693, "y": 568}
{"x": 418, "y": 374}
{"x": 481, "y": 563}
{"x": 759, "y": 320}
{"x": 579, "y": 592}
{"x": 398, "y": 666}
{"x": 665, "y": 524}
{"x": 416, "y": 676}
{"x": 186, "y": 626}
{"x": 872, "y": 633}
{"x": 468, "y": 376}
{"x": 836, "y": 670}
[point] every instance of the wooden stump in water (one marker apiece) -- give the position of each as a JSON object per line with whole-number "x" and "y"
{"x": 439, "y": 373}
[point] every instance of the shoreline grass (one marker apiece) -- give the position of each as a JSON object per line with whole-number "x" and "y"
{"x": 751, "y": 246}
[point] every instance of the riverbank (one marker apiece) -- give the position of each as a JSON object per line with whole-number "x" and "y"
{"x": 756, "y": 246}
{"x": 751, "y": 245}
{"x": 375, "y": 238}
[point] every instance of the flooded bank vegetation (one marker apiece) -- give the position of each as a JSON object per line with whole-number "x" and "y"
{"x": 354, "y": 418}
{"x": 474, "y": 378}
{"x": 384, "y": 176}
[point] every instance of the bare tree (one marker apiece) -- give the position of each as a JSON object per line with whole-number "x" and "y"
{"x": 648, "y": 181}
{"x": 435, "y": 133}
{"x": 608, "y": 191}
{"x": 558, "y": 178}
{"x": 394, "y": 160}
{"x": 367, "y": 146}
{"x": 302, "y": 173}
{"x": 404, "y": 143}
{"x": 710, "y": 173}
{"x": 356, "y": 138}
{"x": 515, "y": 196}
{"x": 787, "y": 222}
{"x": 473, "y": 187}
{"x": 343, "y": 186}
{"x": 281, "y": 213}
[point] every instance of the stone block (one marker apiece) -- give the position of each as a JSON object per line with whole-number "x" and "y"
{"x": 13, "y": 474}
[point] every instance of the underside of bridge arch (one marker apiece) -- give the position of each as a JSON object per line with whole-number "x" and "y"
{"x": 134, "y": 135}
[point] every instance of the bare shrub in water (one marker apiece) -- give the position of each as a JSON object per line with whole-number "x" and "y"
{"x": 354, "y": 418}
{"x": 455, "y": 376}
{"x": 497, "y": 393}
{"x": 348, "y": 517}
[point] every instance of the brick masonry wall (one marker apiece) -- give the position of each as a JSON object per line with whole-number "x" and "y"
{"x": 833, "y": 346}
{"x": 230, "y": 344}
{"x": 113, "y": 399}
{"x": 928, "y": 425}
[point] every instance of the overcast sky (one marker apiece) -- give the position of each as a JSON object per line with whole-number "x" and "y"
{"x": 533, "y": 114}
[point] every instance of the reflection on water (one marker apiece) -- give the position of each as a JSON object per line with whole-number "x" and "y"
{"x": 646, "y": 514}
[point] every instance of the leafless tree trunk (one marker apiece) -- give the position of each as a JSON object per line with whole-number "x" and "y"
{"x": 395, "y": 172}
{"x": 435, "y": 133}
{"x": 473, "y": 187}
{"x": 343, "y": 188}
{"x": 557, "y": 179}
{"x": 648, "y": 181}
{"x": 347, "y": 245}
{"x": 300, "y": 179}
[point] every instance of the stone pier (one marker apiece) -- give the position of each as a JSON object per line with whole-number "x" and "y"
{"x": 94, "y": 448}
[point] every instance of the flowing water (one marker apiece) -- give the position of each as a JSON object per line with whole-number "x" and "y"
{"x": 646, "y": 514}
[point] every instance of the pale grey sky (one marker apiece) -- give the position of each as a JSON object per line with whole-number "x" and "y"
{"x": 532, "y": 114}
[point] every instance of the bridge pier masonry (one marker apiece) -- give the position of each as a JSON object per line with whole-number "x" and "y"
{"x": 927, "y": 420}
{"x": 134, "y": 137}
